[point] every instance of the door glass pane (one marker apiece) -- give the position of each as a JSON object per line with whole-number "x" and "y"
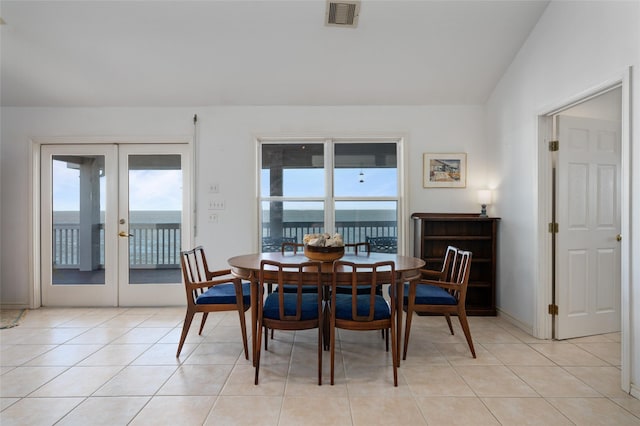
{"x": 292, "y": 170}
{"x": 373, "y": 221}
{"x": 365, "y": 170}
{"x": 78, "y": 200}
{"x": 289, "y": 221}
{"x": 155, "y": 216}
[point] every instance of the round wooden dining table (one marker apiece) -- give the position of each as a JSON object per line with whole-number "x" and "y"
{"x": 247, "y": 267}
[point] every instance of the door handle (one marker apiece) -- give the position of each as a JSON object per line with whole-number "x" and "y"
{"x": 619, "y": 237}
{"x": 124, "y": 234}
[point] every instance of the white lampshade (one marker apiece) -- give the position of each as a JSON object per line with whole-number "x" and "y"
{"x": 484, "y": 196}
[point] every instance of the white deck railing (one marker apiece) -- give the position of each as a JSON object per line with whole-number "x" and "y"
{"x": 151, "y": 246}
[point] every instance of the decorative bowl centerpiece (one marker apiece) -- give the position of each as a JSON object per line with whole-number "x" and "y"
{"x": 323, "y": 247}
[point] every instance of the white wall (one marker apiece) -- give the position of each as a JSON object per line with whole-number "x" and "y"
{"x": 227, "y": 149}
{"x": 576, "y": 46}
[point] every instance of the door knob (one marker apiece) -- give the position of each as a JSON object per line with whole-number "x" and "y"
{"x": 619, "y": 237}
{"x": 124, "y": 234}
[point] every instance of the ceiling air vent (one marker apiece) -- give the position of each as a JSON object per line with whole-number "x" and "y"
{"x": 342, "y": 13}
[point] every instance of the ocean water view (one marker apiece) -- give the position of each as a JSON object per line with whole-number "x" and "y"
{"x": 152, "y": 216}
{"x": 173, "y": 216}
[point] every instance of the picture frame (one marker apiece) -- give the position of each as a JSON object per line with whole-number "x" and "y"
{"x": 444, "y": 170}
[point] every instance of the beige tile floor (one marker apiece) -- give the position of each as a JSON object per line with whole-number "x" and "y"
{"x": 118, "y": 366}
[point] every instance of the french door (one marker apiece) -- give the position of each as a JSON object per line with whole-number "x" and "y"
{"x": 114, "y": 218}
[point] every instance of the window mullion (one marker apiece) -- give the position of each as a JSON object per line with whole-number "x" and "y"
{"x": 329, "y": 205}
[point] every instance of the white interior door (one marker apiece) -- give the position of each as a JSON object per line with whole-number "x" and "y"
{"x": 112, "y": 221}
{"x": 588, "y": 214}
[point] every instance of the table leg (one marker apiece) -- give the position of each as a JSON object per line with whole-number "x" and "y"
{"x": 254, "y": 316}
{"x": 399, "y": 300}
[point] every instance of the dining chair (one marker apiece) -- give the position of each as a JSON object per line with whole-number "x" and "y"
{"x": 290, "y": 247}
{"x": 362, "y": 246}
{"x": 284, "y": 310}
{"x": 446, "y": 297}
{"x": 211, "y": 291}
{"x": 360, "y": 312}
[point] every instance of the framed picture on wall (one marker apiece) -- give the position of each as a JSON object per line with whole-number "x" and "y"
{"x": 444, "y": 170}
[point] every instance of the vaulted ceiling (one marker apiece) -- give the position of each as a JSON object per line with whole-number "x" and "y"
{"x": 237, "y": 52}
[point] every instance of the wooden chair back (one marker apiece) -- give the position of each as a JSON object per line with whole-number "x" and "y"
{"x": 461, "y": 268}
{"x": 363, "y": 307}
{"x": 194, "y": 271}
{"x": 290, "y": 246}
{"x": 361, "y": 246}
{"x": 445, "y": 273}
{"x": 290, "y": 306}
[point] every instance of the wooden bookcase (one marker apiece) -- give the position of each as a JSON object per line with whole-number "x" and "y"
{"x": 433, "y": 232}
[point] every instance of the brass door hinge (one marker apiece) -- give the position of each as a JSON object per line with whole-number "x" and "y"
{"x": 554, "y": 145}
{"x": 553, "y": 309}
{"x": 553, "y": 227}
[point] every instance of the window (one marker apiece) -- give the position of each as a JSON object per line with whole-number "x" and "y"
{"x": 313, "y": 186}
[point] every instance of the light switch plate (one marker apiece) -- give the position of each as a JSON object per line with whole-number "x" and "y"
{"x": 216, "y": 204}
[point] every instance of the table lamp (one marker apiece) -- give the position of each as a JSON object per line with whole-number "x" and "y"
{"x": 484, "y": 198}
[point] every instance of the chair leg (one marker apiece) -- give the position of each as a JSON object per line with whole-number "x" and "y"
{"x": 332, "y": 348}
{"x": 320, "y": 349}
{"x": 448, "y": 318}
{"x": 462, "y": 316}
{"x": 243, "y": 328}
{"x": 326, "y": 334}
{"x": 257, "y": 353}
{"x": 385, "y": 333}
{"x": 204, "y": 319}
{"x": 394, "y": 353}
{"x": 407, "y": 330}
{"x": 185, "y": 329}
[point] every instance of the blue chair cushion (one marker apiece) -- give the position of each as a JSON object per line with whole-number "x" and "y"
{"x": 343, "y": 307}
{"x": 430, "y": 295}
{"x": 224, "y": 294}
{"x": 362, "y": 289}
{"x": 271, "y": 308}
{"x": 293, "y": 288}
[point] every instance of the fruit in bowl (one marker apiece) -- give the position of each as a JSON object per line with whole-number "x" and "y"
{"x": 323, "y": 247}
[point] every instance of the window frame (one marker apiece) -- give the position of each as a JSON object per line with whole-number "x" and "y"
{"x": 328, "y": 199}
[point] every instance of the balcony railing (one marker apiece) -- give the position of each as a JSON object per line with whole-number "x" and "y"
{"x": 352, "y": 232}
{"x": 157, "y": 246}
{"x": 152, "y": 246}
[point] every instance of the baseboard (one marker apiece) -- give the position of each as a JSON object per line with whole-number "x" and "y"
{"x": 635, "y": 391}
{"x": 8, "y": 307}
{"x": 527, "y": 328}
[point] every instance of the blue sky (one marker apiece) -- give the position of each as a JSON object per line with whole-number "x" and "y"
{"x": 149, "y": 189}
{"x": 310, "y": 182}
{"x": 162, "y": 190}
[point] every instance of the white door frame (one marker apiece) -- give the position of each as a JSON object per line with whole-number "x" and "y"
{"x": 34, "y": 244}
{"x": 543, "y": 321}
